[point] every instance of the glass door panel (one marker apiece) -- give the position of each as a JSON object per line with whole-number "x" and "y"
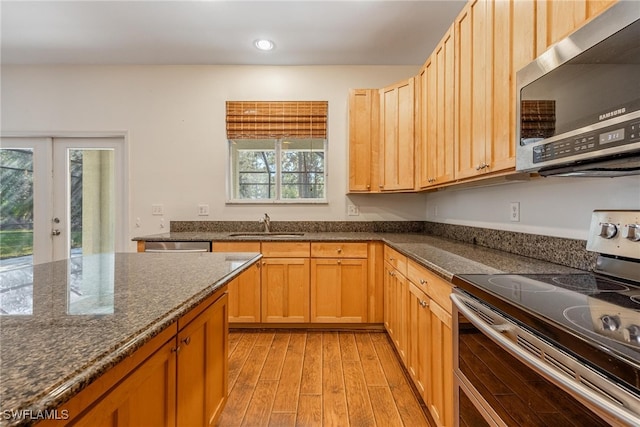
{"x": 25, "y": 213}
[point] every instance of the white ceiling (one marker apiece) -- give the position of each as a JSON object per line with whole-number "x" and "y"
{"x": 306, "y": 32}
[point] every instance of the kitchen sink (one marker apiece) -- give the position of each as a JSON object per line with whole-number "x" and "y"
{"x": 267, "y": 234}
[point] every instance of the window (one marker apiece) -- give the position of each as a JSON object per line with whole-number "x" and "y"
{"x": 277, "y": 152}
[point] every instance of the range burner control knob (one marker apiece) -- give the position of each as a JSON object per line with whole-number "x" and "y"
{"x": 608, "y": 230}
{"x": 633, "y": 232}
{"x": 610, "y": 323}
{"x": 631, "y": 334}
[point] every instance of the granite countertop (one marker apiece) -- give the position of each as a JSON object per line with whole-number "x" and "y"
{"x": 443, "y": 256}
{"x": 82, "y": 316}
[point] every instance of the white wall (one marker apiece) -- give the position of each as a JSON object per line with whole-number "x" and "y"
{"x": 553, "y": 206}
{"x": 174, "y": 117}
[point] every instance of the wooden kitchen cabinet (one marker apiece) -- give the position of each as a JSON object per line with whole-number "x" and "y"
{"x": 285, "y": 282}
{"x": 396, "y": 300}
{"x": 419, "y": 346}
{"x": 436, "y": 114}
{"x": 397, "y": 117}
{"x": 285, "y": 290}
{"x": 556, "y": 19}
{"x": 146, "y": 397}
{"x": 202, "y": 378}
{"x": 486, "y": 32}
{"x": 430, "y": 359}
{"x": 244, "y": 290}
{"x": 440, "y": 390}
{"x": 364, "y": 140}
{"x": 178, "y": 378}
{"x": 339, "y": 282}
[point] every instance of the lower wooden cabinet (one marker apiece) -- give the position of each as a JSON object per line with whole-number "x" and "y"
{"x": 285, "y": 290}
{"x": 244, "y": 297}
{"x": 396, "y": 304}
{"x": 339, "y": 290}
{"x": 203, "y": 348}
{"x": 419, "y": 332}
{"x": 146, "y": 397}
{"x": 179, "y": 378}
{"x": 439, "y": 397}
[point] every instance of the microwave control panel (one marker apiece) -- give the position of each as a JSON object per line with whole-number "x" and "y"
{"x": 611, "y": 136}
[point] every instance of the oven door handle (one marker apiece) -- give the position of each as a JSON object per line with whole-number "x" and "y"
{"x": 502, "y": 334}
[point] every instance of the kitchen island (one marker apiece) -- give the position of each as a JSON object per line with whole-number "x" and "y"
{"x": 81, "y": 318}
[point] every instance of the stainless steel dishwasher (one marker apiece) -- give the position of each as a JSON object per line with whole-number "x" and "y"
{"x": 183, "y": 247}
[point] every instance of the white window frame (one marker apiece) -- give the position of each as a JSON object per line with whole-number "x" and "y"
{"x": 232, "y": 171}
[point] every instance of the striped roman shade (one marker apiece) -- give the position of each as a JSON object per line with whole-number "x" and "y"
{"x": 276, "y": 119}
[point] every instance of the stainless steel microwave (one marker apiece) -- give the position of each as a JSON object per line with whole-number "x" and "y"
{"x": 578, "y": 104}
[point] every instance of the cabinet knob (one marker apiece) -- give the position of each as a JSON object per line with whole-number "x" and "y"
{"x": 175, "y": 349}
{"x": 391, "y": 273}
{"x": 186, "y": 340}
{"x": 339, "y": 250}
{"x": 423, "y": 304}
{"x": 368, "y": 186}
{"x": 339, "y": 262}
{"x": 423, "y": 282}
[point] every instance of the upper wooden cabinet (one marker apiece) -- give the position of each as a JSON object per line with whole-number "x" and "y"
{"x": 364, "y": 140}
{"x": 486, "y": 33}
{"x": 557, "y": 18}
{"x": 436, "y": 113}
{"x": 396, "y": 137}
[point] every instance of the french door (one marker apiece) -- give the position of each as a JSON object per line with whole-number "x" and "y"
{"x": 60, "y": 198}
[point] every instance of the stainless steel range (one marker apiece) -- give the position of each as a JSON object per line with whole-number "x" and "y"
{"x": 570, "y": 341}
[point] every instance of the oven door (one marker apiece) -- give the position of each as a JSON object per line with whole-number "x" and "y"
{"x": 496, "y": 388}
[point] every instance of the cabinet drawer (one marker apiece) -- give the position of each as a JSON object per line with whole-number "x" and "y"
{"x": 236, "y": 247}
{"x": 418, "y": 275}
{"x": 436, "y": 287}
{"x": 286, "y": 249}
{"x": 338, "y": 250}
{"x": 396, "y": 259}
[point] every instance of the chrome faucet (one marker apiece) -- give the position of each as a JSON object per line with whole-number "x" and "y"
{"x": 267, "y": 223}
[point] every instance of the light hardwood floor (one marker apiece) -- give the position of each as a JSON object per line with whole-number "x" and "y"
{"x": 313, "y": 378}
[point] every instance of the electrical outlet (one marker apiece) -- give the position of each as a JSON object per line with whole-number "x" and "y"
{"x": 352, "y": 210}
{"x": 157, "y": 209}
{"x": 203, "y": 210}
{"x": 514, "y": 211}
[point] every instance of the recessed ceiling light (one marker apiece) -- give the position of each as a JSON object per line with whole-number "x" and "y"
{"x": 264, "y": 44}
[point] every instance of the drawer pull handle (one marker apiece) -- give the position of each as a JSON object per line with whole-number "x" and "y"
{"x": 423, "y": 282}
{"x": 423, "y": 303}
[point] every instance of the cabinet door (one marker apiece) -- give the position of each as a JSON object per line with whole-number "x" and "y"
{"x": 364, "y": 117}
{"x": 396, "y": 301}
{"x": 473, "y": 87}
{"x": 556, "y": 19}
{"x": 285, "y": 290}
{"x": 203, "y": 366}
{"x": 419, "y": 330}
{"x": 437, "y": 114}
{"x": 146, "y": 397}
{"x": 440, "y": 391}
{"x": 397, "y": 137}
{"x": 244, "y": 296}
{"x": 339, "y": 290}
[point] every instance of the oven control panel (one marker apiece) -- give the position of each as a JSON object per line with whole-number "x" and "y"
{"x": 615, "y": 233}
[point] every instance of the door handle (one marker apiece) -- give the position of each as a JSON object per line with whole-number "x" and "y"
{"x": 55, "y": 232}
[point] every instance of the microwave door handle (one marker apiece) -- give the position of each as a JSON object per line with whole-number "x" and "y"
{"x": 498, "y": 333}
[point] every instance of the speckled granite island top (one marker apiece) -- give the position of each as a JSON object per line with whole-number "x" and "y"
{"x": 444, "y": 256}
{"x": 82, "y": 316}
